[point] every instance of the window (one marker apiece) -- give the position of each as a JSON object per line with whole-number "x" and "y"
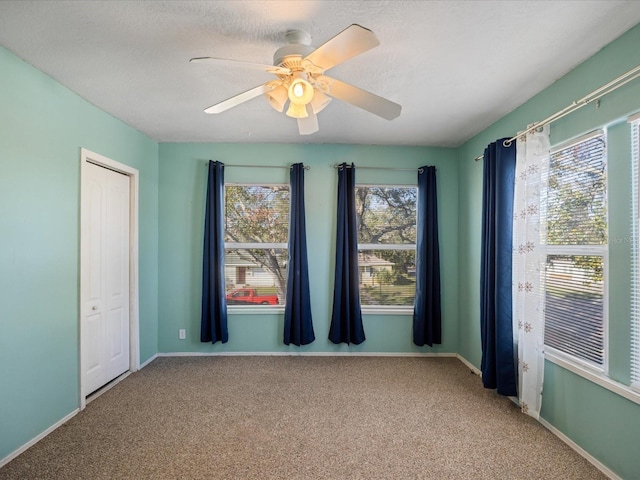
{"x": 577, "y": 251}
{"x": 256, "y": 236}
{"x": 635, "y": 254}
{"x": 386, "y": 218}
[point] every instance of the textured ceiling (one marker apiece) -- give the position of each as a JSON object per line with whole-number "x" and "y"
{"x": 454, "y": 66}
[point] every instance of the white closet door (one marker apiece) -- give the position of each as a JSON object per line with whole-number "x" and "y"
{"x": 105, "y": 343}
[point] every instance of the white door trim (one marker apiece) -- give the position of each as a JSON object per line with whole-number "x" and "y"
{"x": 87, "y": 156}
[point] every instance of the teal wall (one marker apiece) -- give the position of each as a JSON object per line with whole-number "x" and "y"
{"x": 42, "y": 128}
{"x": 183, "y": 178}
{"x": 604, "y": 424}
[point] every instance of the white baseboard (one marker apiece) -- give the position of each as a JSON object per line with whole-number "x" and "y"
{"x": 590, "y": 458}
{"x": 470, "y": 365}
{"x": 304, "y": 354}
{"x": 148, "y": 361}
{"x": 36, "y": 439}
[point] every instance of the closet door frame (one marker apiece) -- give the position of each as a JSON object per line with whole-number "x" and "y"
{"x": 87, "y": 156}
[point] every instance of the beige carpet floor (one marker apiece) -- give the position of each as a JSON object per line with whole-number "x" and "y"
{"x": 301, "y": 418}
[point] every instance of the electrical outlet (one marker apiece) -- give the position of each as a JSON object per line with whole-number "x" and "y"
{"x": 182, "y": 334}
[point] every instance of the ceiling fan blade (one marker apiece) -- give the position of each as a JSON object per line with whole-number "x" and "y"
{"x": 240, "y": 98}
{"x": 361, "y": 98}
{"x": 267, "y": 68}
{"x": 350, "y": 42}
{"x": 308, "y": 125}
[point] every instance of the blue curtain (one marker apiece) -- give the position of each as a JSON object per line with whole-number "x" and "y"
{"x": 498, "y": 362}
{"x": 298, "y": 326}
{"x": 427, "y": 328}
{"x": 213, "y": 323}
{"x": 346, "y": 319}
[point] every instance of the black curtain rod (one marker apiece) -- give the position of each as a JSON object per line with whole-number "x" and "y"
{"x": 339, "y": 166}
{"x": 306, "y": 167}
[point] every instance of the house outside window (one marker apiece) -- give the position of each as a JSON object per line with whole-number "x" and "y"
{"x": 575, "y": 277}
{"x": 256, "y": 236}
{"x": 386, "y": 218}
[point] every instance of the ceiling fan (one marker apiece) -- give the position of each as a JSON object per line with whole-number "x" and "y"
{"x": 301, "y": 81}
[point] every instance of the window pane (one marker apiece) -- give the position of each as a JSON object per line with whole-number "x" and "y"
{"x": 255, "y": 276}
{"x": 387, "y": 277}
{"x": 256, "y": 214}
{"x": 386, "y": 215}
{"x": 574, "y": 306}
{"x": 576, "y": 197}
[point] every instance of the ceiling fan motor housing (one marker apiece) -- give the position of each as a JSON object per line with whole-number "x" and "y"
{"x": 299, "y": 45}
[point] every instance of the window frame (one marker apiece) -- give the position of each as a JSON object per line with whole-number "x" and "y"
{"x": 388, "y": 309}
{"x": 634, "y": 354}
{"x": 257, "y": 309}
{"x": 630, "y": 392}
{"x": 552, "y": 353}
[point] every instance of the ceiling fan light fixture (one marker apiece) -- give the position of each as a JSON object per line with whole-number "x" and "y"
{"x": 319, "y": 101}
{"x": 278, "y": 97}
{"x": 300, "y": 92}
{"x": 297, "y": 110}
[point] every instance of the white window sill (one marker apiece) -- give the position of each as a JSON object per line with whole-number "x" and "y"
{"x": 255, "y": 310}
{"x": 595, "y": 377}
{"x": 381, "y": 310}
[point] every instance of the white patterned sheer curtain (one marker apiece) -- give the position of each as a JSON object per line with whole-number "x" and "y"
{"x": 529, "y": 257}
